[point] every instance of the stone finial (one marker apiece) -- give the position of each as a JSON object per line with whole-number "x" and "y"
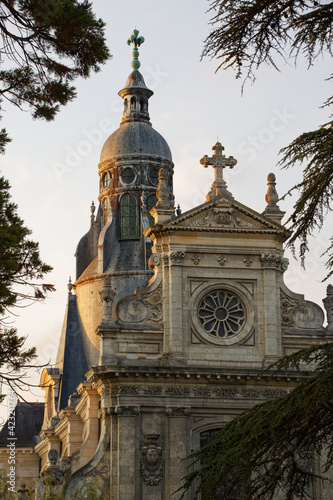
{"x": 178, "y": 210}
{"x": 53, "y": 456}
{"x": 92, "y": 210}
{"x": 164, "y": 208}
{"x": 218, "y": 161}
{"x": 69, "y": 286}
{"x": 272, "y": 210}
{"x": 328, "y": 304}
{"x": 107, "y": 295}
{"x": 137, "y": 41}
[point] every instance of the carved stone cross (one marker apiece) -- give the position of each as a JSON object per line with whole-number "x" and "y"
{"x": 218, "y": 161}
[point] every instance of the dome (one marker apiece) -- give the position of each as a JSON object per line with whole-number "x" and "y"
{"x": 135, "y": 138}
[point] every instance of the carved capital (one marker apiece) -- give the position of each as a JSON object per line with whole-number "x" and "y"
{"x": 271, "y": 261}
{"x": 125, "y": 411}
{"x": 178, "y": 411}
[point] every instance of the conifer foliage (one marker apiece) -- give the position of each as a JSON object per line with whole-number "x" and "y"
{"x": 271, "y": 448}
{"x": 247, "y": 34}
{"x": 45, "y": 45}
{"x": 21, "y": 269}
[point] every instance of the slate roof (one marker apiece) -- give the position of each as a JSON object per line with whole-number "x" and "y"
{"x": 28, "y": 423}
{"x": 71, "y": 358}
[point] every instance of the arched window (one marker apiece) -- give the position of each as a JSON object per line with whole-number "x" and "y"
{"x": 129, "y": 217}
{"x": 133, "y": 103}
{"x": 205, "y": 438}
{"x": 152, "y": 200}
{"x": 106, "y": 180}
{"x": 153, "y": 176}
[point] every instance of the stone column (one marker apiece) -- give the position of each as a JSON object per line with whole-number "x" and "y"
{"x": 272, "y": 323}
{"x": 177, "y": 427}
{"x": 173, "y": 305}
{"x": 124, "y": 480}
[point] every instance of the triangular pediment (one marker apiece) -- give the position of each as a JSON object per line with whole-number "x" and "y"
{"x": 227, "y": 215}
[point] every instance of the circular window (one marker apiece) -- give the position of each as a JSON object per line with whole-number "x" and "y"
{"x": 221, "y": 314}
{"x": 127, "y": 176}
{"x": 153, "y": 176}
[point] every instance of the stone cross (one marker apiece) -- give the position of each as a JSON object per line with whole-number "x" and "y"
{"x": 137, "y": 41}
{"x": 218, "y": 161}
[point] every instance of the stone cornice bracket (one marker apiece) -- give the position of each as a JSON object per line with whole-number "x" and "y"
{"x": 272, "y": 210}
{"x": 178, "y": 411}
{"x": 328, "y": 304}
{"x": 107, "y": 295}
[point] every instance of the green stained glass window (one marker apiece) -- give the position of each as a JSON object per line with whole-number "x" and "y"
{"x": 152, "y": 200}
{"x": 129, "y": 217}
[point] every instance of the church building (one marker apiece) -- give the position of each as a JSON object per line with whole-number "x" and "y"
{"x": 169, "y": 321}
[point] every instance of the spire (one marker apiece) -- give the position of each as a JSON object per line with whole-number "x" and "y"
{"x": 135, "y": 93}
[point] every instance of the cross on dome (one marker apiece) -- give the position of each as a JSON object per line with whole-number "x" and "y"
{"x": 218, "y": 161}
{"x": 137, "y": 41}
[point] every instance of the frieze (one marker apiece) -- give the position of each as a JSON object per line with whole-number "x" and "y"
{"x": 177, "y": 390}
{"x": 203, "y": 392}
{"x": 177, "y": 257}
{"x": 153, "y": 390}
{"x": 128, "y": 389}
{"x": 185, "y": 391}
{"x": 247, "y": 261}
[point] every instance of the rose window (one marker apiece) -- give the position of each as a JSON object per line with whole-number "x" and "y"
{"x": 221, "y": 314}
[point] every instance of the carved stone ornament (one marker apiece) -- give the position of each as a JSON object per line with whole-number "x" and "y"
{"x": 151, "y": 459}
{"x": 287, "y": 305}
{"x": 178, "y": 411}
{"x": 271, "y": 261}
{"x": 196, "y": 259}
{"x": 223, "y": 217}
{"x": 107, "y": 297}
{"x": 328, "y": 304}
{"x": 125, "y": 411}
{"x": 164, "y": 195}
{"x": 177, "y": 257}
{"x": 141, "y": 307}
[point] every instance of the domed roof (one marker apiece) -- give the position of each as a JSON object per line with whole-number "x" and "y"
{"x": 135, "y": 138}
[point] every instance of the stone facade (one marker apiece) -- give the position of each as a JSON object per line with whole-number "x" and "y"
{"x": 174, "y": 315}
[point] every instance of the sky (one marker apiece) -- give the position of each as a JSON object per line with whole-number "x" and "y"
{"x": 53, "y": 167}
